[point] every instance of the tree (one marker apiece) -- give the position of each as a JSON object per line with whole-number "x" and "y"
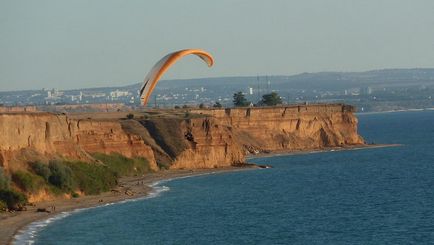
{"x": 61, "y": 175}
{"x": 130, "y": 116}
{"x": 12, "y": 199}
{"x": 201, "y": 106}
{"x": 271, "y": 99}
{"x": 217, "y": 105}
{"x": 42, "y": 170}
{"x": 240, "y": 100}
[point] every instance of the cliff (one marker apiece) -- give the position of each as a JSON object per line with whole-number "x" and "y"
{"x": 301, "y": 127}
{"x": 32, "y": 136}
{"x": 205, "y": 138}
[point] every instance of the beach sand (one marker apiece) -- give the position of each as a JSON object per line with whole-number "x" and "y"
{"x": 128, "y": 188}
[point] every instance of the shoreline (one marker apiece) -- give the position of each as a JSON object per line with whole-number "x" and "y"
{"x": 320, "y": 150}
{"x": 140, "y": 187}
{"x": 129, "y": 188}
{"x": 392, "y": 111}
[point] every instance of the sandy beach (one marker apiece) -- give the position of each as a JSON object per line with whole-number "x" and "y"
{"x": 128, "y": 188}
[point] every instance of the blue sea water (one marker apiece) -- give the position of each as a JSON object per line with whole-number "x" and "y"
{"x": 369, "y": 196}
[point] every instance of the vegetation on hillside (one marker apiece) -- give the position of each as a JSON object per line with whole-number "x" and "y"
{"x": 63, "y": 176}
{"x": 9, "y": 198}
{"x": 27, "y": 181}
{"x": 124, "y": 166}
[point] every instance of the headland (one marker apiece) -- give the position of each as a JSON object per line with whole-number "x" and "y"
{"x": 176, "y": 142}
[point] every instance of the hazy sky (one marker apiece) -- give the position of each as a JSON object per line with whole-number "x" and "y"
{"x": 73, "y": 44}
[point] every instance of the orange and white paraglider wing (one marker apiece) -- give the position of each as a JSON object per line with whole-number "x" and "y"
{"x": 165, "y": 63}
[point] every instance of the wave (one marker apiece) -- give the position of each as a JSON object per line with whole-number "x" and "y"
{"x": 28, "y": 234}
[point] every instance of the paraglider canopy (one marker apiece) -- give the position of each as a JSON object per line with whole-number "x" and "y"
{"x": 163, "y": 65}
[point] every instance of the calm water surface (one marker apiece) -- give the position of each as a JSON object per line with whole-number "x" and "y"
{"x": 371, "y": 196}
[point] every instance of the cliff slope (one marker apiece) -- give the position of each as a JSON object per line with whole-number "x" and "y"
{"x": 205, "y": 138}
{"x": 31, "y": 136}
{"x": 291, "y": 128}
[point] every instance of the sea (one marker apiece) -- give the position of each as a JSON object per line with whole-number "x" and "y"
{"x": 367, "y": 196}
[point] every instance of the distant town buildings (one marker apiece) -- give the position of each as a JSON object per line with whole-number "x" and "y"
{"x": 369, "y": 96}
{"x": 118, "y": 93}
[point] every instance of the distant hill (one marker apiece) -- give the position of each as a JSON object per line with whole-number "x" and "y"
{"x": 377, "y": 90}
{"x": 319, "y": 80}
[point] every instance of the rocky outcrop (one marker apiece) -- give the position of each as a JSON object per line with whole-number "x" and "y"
{"x": 205, "y": 138}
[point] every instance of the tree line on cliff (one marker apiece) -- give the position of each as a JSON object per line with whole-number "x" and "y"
{"x": 270, "y": 99}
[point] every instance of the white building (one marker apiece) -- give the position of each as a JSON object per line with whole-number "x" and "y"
{"x": 117, "y": 93}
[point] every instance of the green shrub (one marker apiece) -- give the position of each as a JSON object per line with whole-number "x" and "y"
{"x": 3, "y": 206}
{"x": 41, "y": 169}
{"x": 4, "y": 180}
{"x": 124, "y": 166}
{"x": 75, "y": 195}
{"x": 61, "y": 175}
{"x": 27, "y": 182}
{"x": 67, "y": 176}
{"x": 92, "y": 178}
{"x": 12, "y": 198}
{"x": 55, "y": 190}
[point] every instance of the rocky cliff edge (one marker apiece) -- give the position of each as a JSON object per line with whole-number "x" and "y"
{"x": 195, "y": 138}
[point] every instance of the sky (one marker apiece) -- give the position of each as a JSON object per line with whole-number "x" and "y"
{"x": 81, "y": 44}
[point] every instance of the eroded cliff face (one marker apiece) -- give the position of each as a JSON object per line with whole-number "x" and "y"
{"x": 188, "y": 143}
{"x": 31, "y": 136}
{"x": 291, "y": 128}
{"x": 206, "y": 144}
{"x": 211, "y": 138}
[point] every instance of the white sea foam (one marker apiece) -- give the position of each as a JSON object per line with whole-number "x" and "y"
{"x": 28, "y": 234}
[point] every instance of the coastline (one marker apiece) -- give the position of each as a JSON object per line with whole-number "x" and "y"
{"x": 138, "y": 187}
{"x": 319, "y": 150}
{"x": 393, "y": 111}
